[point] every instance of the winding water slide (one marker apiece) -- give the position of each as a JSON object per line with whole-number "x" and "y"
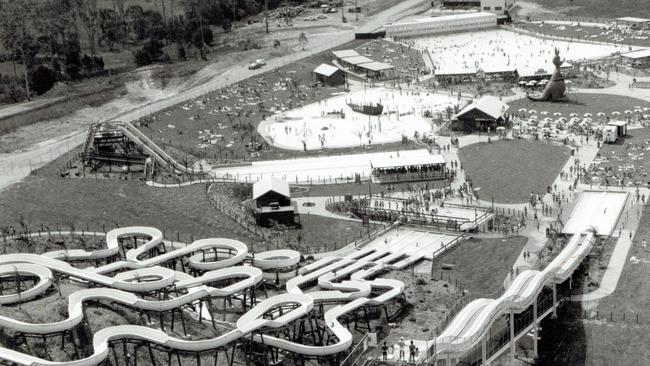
{"x": 138, "y": 274}
{"x": 473, "y": 322}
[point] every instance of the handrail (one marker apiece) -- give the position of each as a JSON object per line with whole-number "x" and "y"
{"x": 346, "y": 360}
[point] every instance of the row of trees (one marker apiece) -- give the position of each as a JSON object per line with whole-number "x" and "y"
{"x": 61, "y": 39}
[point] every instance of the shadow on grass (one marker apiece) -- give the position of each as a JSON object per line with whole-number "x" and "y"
{"x": 563, "y": 340}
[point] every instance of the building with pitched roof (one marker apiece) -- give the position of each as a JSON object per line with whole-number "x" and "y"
{"x": 486, "y": 112}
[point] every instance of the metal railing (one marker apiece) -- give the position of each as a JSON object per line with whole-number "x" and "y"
{"x": 356, "y": 352}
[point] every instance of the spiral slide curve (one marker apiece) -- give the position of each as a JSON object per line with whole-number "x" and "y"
{"x": 350, "y": 295}
{"x": 473, "y": 322}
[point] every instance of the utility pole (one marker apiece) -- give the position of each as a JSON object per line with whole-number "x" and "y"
{"x": 266, "y": 15}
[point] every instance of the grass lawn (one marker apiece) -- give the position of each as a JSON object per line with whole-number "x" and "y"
{"x": 321, "y": 234}
{"x": 585, "y": 33}
{"x": 568, "y": 341}
{"x": 598, "y": 8}
{"x": 42, "y": 198}
{"x": 582, "y": 103}
{"x": 476, "y": 271}
{"x": 632, "y": 294}
{"x": 509, "y": 170}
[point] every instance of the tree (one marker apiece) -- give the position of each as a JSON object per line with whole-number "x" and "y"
{"x": 88, "y": 13}
{"x": 15, "y": 34}
{"x": 42, "y": 79}
{"x": 302, "y": 39}
{"x": 113, "y": 29}
{"x": 72, "y": 57}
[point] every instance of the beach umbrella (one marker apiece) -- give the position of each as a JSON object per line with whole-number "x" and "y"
{"x": 548, "y": 119}
{"x": 600, "y": 114}
{"x": 627, "y": 111}
{"x": 616, "y": 113}
{"x": 557, "y": 114}
{"x": 638, "y": 110}
{"x": 532, "y": 111}
{"x": 588, "y": 114}
{"x": 573, "y": 115}
{"x": 522, "y": 109}
{"x": 543, "y": 113}
{"x": 637, "y": 107}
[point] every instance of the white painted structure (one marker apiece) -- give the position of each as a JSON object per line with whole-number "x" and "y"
{"x": 444, "y": 24}
{"x": 600, "y": 209}
{"x": 497, "y": 7}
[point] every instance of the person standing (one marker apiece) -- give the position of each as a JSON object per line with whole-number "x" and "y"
{"x": 384, "y": 351}
{"x": 412, "y": 352}
{"x": 402, "y": 347}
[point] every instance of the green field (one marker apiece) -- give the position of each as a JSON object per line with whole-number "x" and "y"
{"x": 509, "y": 170}
{"x": 582, "y": 103}
{"x": 597, "y": 8}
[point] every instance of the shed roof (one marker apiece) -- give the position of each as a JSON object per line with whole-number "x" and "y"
{"x": 408, "y": 161}
{"x": 345, "y": 53}
{"x": 269, "y": 183}
{"x": 377, "y": 66}
{"x": 357, "y": 60}
{"x": 489, "y": 105}
{"x": 326, "y": 70}
{"x": 637, "y": 54}
{"x": 633, "y": 19}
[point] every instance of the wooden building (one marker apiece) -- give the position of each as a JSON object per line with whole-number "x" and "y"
{"x": 273, "y": 202}
{"x": 486, "y": 112}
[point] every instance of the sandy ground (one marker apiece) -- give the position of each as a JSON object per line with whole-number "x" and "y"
{"x": 332, "y": 123}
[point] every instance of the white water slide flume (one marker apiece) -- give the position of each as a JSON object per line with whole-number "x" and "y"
{"x": 473, "y": 322}
{"x": 138, "y": 274}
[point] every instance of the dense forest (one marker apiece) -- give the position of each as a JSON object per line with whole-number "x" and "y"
{"x": 59, "y": 40}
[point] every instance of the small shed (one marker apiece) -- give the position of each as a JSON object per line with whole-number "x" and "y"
{"x": 377, "y": 70}
{"x": 273, "y": 202}
{"x": 637, "y": 59}
{"x": 330, "y": 75}
{"x": 486, "y": 112}
{"x": 634, "y": 22}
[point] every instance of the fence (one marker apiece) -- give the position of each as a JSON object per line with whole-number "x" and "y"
{"x": 381, "y": 230}
{"x": 356, "y": 352}
{"x": 80, "y": 229}
{"x": 267, "y": 235}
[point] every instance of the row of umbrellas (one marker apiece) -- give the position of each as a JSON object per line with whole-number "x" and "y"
{"x": 535, "y": 82}
{"x": 601, "y": 114}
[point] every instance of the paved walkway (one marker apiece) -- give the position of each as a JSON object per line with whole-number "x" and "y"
{"x": 613, "y": 272}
